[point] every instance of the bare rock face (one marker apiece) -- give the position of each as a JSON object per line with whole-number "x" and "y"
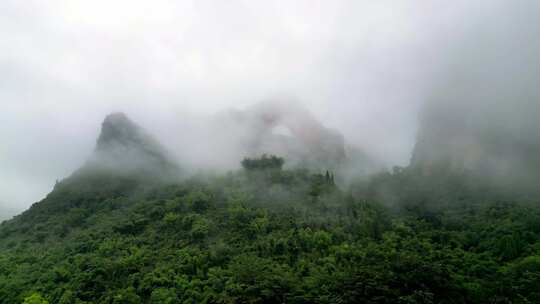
{"x": 284, "y": 129}
{"x": 124, "y": 147}
{"x": 498, "y": 142}
{"x": 482, "y": 111}
{"x": 117, "y": 129}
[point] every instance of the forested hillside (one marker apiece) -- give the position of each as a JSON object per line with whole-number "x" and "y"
{"x": 119, "y": 231}
{"x": 265, "y": 235}
{"x": 288, "y": 152}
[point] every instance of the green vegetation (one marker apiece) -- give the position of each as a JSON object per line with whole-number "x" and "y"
{"x": 35, "y": 299}
{"x": 263, "y": 163}
{"x": 269, "y": 235}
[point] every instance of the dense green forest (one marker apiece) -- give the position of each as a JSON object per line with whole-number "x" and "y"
{"x": 265, "y": 234}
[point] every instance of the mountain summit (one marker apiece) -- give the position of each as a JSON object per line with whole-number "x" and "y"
{"x": 117, "y": 128}
{"x": 124, "y": 147}
{"x": 126, "y": 161}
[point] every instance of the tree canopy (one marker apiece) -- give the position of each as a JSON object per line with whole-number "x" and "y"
{"x": 292, "y": 236}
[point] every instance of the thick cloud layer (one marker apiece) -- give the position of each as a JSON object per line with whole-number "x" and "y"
{"x": 361, "y": 67}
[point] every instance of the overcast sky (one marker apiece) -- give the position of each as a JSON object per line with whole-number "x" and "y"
{"x": 363, "y": 67}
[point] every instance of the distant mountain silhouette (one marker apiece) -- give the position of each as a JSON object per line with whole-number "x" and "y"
{"x": 123, "y": 148}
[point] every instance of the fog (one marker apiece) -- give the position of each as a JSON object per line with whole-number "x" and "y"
{"x": 484, "y": 109}
{"x": 362, "y": 68}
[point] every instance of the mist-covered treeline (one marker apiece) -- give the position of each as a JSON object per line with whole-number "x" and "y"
{"x": 265, "y": 234}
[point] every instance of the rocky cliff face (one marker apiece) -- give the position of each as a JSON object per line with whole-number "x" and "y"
{"x": 483, "y": 108}
{"x": 499, "y": 142}
{"x": 124, "y": 147}
{"x": 287, "y": 130}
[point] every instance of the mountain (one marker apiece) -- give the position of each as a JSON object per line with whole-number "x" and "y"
{"x": 481, "y": 114}
{"x": 289, "y": 130}
{"x": 125, "y": 148}
{"x": 117, "y": 232}
{"x": 126, "y": 159}
{"x": 495, "y": 142}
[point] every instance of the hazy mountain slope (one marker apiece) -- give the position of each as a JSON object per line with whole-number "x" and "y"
{"x": 125, "y": 148}
{"x": 126, "y": 160}
{"x": 291, "y": 131}
{"x": 262, "y": 234}
{"x": 481, "y": 114}
{"x": 500, "y": 145}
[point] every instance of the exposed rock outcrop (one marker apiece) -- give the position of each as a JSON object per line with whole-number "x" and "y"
{"x": 124, "y": 147}
{"x": 284, "y": 129}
